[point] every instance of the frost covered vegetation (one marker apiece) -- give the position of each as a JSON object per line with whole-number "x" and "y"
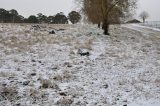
{"x": 78, "y": 66}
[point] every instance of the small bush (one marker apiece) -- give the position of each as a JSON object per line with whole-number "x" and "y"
{"x": 48, "y": 84}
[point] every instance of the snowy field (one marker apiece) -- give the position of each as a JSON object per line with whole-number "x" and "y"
{"x": 42, "y": 69}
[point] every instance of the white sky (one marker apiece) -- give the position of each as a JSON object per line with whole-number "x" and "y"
{"x": 33, "y": 7}
{"x": 51, "y": 7}
{"x": 150, "y": 6}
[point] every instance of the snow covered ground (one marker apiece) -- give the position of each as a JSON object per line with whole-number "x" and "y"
{"x": 152, "y": 24}
{"x": 141, "y": 26}
{"x": 42, "y": 69}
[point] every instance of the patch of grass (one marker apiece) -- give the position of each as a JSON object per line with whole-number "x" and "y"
{"x": 8, "y": 92}
{"x": 65, "y": 75}
{"x": 47, "y": 83}
{"x": 65, "y": 101}
{"x": 7, "y": 74}
{"x": 87, "y": 44}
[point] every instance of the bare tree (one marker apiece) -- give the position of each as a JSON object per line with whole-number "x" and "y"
{"x": 144, "y": 15}
{"x": 107, "y": 11}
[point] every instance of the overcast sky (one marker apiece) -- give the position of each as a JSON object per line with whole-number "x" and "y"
{"x": 51, "y": 7}
{"x": 150, "y": 6}
{"x": 32, "y": 7}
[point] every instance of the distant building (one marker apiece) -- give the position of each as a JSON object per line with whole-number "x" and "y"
{"x": 133, "y": 21}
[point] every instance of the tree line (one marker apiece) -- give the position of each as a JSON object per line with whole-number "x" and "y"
{"x": 12, "y": 16}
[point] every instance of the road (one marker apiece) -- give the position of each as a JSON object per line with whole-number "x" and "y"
{"x": 144, "y": 30}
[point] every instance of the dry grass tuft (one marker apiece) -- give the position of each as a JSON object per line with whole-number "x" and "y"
{"x": 8, "y": 92}
{"x": 67, "y": 74}
{"x": 87, "y": 44}
{"x": 48, "y": 84}
{"x": 7, "y": 74}
{"x": 34, "y": 93}
{"x": 58, "y": 77}
{"x": 65, "y": 101}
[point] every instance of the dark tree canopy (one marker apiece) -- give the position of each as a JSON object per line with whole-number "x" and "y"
{"x": 10, "y": 16}
{"x": 50, "y": 19}
{"x": 13, "y": 12}
{"x": 74, "y": 17}
{"x": 60, "y": 18}
{"x": 4, "y": 15}
{"x": 32, "y": 19}
{"x": 42, "y": 18}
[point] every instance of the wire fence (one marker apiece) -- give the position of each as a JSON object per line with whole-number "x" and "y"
{"x": 153, "y": 24}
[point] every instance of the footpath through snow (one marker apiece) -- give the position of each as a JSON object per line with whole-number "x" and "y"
{"x": 42, "y": 69}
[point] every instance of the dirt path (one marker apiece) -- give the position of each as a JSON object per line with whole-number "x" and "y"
{"x": 141, "y": 28}
{"x": 144, "y": 30}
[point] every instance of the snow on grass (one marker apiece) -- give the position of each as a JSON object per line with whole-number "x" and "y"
{"x": 46, "y": 69}
{"x": 146, "y": 27}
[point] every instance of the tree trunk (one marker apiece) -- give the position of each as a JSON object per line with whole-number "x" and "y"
{"x": 143, "y": 20}
{"x": 105, "y": 27}
{"x": 99, "y": 25}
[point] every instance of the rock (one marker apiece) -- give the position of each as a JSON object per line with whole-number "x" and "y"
{"x": 83, "y": 52}
{"x": 89, "y": 34}
{"x": 55, "y": 68}
{"x": 98, "y": 34}
{"x": 52, "y": 32}
{"x": 4, "y": 84}
{"x": 26, "y": 83}
{"x": 124, "y": 100}
{"x": 11, "y": 78}
{"x": 35, "y": 27}
{"x": 81, "y": 61}
{"x": 11, "y": 81}
{"x": 18, "y": 69}
{"x": 63, "y": 94}
{"x": 116, "y": 41}
{"x": 67, "y": 64}
{"x": 39, "y": 61}
{"x": 106, "y": 86}
{"x": 60, "y": 29}
{"x": 132, "y": 37}
{"x": 33, "y": 74}
{"x": 33, "y": 60}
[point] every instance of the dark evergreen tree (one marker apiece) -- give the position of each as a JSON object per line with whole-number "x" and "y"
{"x": 4, "y": 15}
{"x": 74, "y": 17}
{"x": 60, "y": 18}
{"x": 42, "y": 18}
{"x": 32, "y": 19}
{"x": 50, "y": 19}
{"x": 13, "y": 14}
